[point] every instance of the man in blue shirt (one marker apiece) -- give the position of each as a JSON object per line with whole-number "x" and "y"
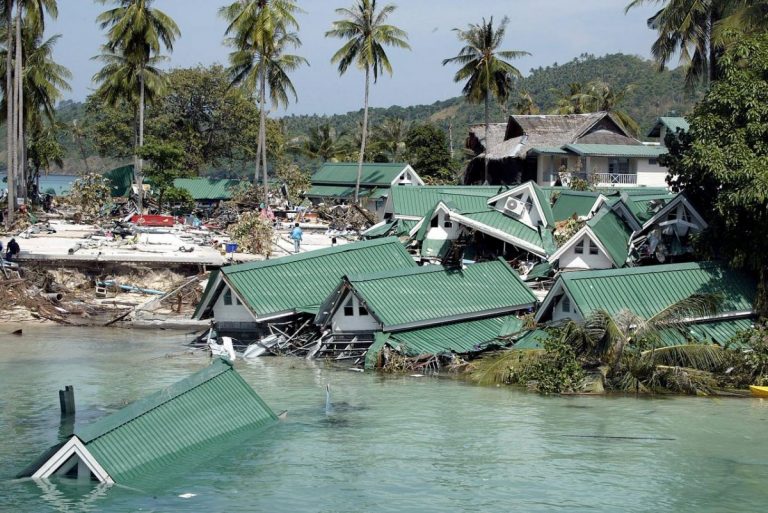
{"x": 296, "y": 234}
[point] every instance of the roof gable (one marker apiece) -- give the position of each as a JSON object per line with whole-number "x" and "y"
{"x": 283, "y": 285}
{"x": 528, "y": 193}
{"x": 418, "y": 201}
{"x": 432, "y": 295}
{"x": 613, "y": 234}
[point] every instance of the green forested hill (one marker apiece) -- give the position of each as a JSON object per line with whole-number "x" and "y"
{"x": 655, "y": 94}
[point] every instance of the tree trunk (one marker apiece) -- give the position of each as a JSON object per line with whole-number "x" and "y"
{"x": 20, "y": 147}
{"x": 263, "y": 136}
{"x": 10, "y": 125}
{"x": 364, "y": 136}
{"x": 139, "y": 160}
{"x": 713, "y": 58}
{"x": 486, "y": 180}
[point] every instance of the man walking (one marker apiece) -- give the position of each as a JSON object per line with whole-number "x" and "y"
{"x": 296, "y": 234}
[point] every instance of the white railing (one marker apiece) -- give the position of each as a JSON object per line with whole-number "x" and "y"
{"x": 614, "y": 179}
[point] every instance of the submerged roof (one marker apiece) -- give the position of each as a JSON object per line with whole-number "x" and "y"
{"x": 373, "y": 174}
{"x": 205, "y": 407}
{"x": 460, "y": 338}
{"x": 432, "y": 294}
{"x": 283, "y": 285}
{"x": 646, "y": 291}
{"x": 208, "y": 188}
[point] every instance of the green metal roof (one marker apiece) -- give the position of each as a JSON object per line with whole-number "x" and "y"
{"x": 381, "y": 230}
{"x": 208, "y": 188}
{"x": 646, "y": 291}
{"x": 544, "y": 198}
{"x": 285, "y": 284}
{"x": 435, "y": 248}
{"x": 463, "y": 337}
{"x": 432, "y": 294}
{"x": 613, "y": 233}
{"x": 540, "y": 271}
{"x": 532, "y": 339}
{"x": 499, "y": 221}
{"x": 418, "y": 201}
{"x": 645, "y": 206}
{"x": 121, "y": 180}
{"x": 212, "y": 403}
{"x": 373, "y": 174}
{"x": 719, "y": 331}
{"x": 617, "y": 150}
{"x": 548, "y": 150}
{"x": 672, "y": 124}
{"x": 331, "y": 191}
{"x": 208, "y": 290}
{"x": 571, "y": 202}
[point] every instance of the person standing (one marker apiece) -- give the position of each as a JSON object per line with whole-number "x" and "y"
{"x": 296, "y": 235}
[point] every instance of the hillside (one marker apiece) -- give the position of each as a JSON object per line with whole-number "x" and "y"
{"x": 655, "y": 94}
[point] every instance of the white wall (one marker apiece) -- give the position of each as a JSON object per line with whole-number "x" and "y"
{"x": 230, "y": 313}
{"x": 572, "y": 260}
{"x": 558, "y": 314}
{"x": 341, "y": 323}
{"x": 441, "y": 232}
{"x": 651, "y": 175}
{"x": 530, "y": 215}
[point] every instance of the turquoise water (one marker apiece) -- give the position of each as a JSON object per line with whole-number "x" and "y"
{"x": 392, "y": 444}
{"x": 60, "y": 184}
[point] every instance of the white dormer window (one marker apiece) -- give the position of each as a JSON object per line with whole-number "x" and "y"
{"x": 579, "y": 248}
{"x": 593, "y": 249}
{"x": 566, "y": 304}
{"x": 349, "y": 308}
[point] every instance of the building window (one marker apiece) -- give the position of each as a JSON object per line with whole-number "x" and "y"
{"x": 564, "y": 162}
{"x": 579, "y": 249}
{"x": 618, "y": 166}
{"x": 566, "y": 304}
{"x": 349, "y": 309}
{"x": 447, "y": 224}
{"x": 653, "y": 162}
{"x": 592, "y": 248}
{"x": 228, "y": 297}
{"x": 237, "y": 301}
{"x": 434, "y": 222}
{"x": 362, "y": 311}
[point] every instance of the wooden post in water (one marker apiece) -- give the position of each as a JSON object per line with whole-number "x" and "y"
{"x": 67, "y": 401}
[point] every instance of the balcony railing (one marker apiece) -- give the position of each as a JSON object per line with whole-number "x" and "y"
{"x": 615, "y": 178}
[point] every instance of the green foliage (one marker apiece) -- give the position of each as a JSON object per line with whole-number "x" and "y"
{"x": 296, "y": 181}
{"x": 753, "y": 363}
{"x": 180, "y": 201}
{"x": 722, "y": 162}
{"x": 427, "y": 151}
{"x": 505, "y": 367}
{"x": 166, "y": 163}
{"x": 564, "y": 230}
{"x": 253, "y": 233}
{"x": 557, "y": 370}
{"x": 90, "y": 193}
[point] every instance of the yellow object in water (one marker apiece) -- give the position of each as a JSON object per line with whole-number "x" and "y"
{"x": 759, "y": 391}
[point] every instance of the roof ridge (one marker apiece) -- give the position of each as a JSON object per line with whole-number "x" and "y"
{"x": 288, "y": 259}
{"x": 661, "y": 268}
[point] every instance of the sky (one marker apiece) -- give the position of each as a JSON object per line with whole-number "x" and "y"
{"x": 551, "y": 30}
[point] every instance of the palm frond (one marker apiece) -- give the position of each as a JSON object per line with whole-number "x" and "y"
{"x": 706, "y": 357}
{"x": 500, "y": 368}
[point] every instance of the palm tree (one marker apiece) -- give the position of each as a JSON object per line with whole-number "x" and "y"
{"x": 525, "y": 104}
{"x": 137, "y": 32}
{"x": 324, "y": 144}
{"x": 35, "y": 18}
{"x": 601, "y": 97}
{"x": 363, "y": 27}
{"x": 79, "y": 137}
{"x": 685, "y": 27}
{"x": 570, "y": 101}
{"x": 484, "y": 67}
{"x": 389, "y": 138}
{"x": 260, "y": 30}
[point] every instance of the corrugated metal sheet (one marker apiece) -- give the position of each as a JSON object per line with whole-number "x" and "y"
{"x": 613, "y": 233}
{"x": 331, "y": 191}
{"x": 569, "y": 203}
{"x": 646, "y": 291}
{"x": 645, "y": 206}
{"x": 495, "y": 219}
{"x": 304, "y": 281}
{"x": 433, "y": 293}
{"x": 208, "y": 188}
{"x": 373, "y": 174}
{"x": 672, "y": 124}
{"x": 460, "y": 338}
{"x": 617, "y": 150}
{"x": 206, "y": 406}
{"x": 533, "y": 339}
{"x": 120, "y": 180}
{"x": 715, "y": 332}
{"x": 208, "y": 290}
{"x": 545, "y": 200}
{"x": 418, "y": 201}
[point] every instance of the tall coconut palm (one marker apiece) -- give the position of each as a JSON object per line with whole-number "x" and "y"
{"x": 260, "y": 31}
{"x": 138, "y": 32}
{"x": 324, "y": 144}
{"x": 601, "y": 97}
{"x": 484, "y": 67}
{"x": 525, "y": 104}
{"x": 363, "y": 27}
{"x": 32, "y": 12}
{"x": 570, "y": 101}
{"x": 685, "y": 27}
{"x": 389, "y": 138}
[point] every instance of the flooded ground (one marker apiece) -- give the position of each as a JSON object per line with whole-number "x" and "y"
{"x": 389, "y": 444}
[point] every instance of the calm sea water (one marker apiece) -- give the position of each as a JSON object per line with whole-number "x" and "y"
{"x": 59, "y": 184}
{"x": 393, "y": 444}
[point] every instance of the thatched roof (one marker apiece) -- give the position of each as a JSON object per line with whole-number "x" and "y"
{"x": 496, "y": 133}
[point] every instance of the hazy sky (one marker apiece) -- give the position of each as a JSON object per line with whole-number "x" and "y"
{"x": 551, "y": 30}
